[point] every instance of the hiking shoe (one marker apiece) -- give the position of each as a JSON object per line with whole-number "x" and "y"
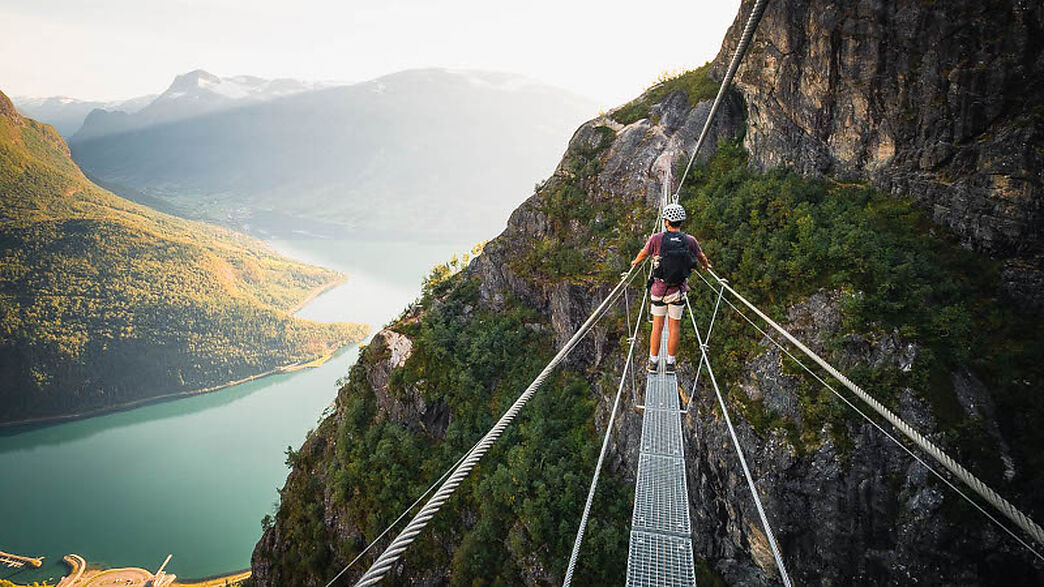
{"x": 670, "y": 368}
{"x": 651, "y": 366}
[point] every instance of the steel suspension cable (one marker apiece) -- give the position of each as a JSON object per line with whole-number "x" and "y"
{"x": 737, "y": 57}
{"x": 967, "y": 477}
{"x": 880, "y": 428}
{"x": 628, "y": 364}
{"x": 394, "y": 551}
{"x": 699, "y": 367}
{"x": 743, "y": 461}
{"x": 627, "y": 303}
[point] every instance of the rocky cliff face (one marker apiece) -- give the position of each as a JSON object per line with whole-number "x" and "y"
{"x": 939, "y": 101}
{"x": 847, "y": 504}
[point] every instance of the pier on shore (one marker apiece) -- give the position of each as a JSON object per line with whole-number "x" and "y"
{"x": 18, "y": 561}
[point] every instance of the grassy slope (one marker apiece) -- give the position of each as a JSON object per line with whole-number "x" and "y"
{"x": 781, "y": 238}
{"x": 695, "y": 83}
{"x": 103, "y": 301}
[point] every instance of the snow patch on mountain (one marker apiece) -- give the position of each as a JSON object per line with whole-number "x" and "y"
{"x": 192, "y": 94}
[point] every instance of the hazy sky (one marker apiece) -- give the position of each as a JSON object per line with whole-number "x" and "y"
{"x": 608, "y": 50}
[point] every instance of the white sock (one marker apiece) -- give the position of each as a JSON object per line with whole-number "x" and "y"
{"x": 652, "y": 358}
{"x": 670, "y": 358}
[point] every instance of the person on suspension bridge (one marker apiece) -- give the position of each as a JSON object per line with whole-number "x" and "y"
{"x": 674, "y": 255}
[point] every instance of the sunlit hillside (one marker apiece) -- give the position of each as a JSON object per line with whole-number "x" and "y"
{"x": 105, "y": 302}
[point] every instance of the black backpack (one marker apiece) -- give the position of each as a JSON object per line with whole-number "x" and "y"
{"x": 676, "y": 260}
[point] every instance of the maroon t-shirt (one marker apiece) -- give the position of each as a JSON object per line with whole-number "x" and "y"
{"x": 652, "y": 249}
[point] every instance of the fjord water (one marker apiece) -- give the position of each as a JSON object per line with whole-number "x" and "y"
{"x": 194, "y": 476}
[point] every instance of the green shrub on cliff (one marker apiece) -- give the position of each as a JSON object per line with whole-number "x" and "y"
{"x": 525, "y": 496}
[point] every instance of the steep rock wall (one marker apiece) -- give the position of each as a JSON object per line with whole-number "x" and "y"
{"x": 939, "y": 101}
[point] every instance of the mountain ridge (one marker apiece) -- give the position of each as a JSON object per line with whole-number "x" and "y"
{"x": 195, "y": 93}
{"x": 66, "y": 114}
{"x": 99, "y": 295}
{"x": 395, "y": 152}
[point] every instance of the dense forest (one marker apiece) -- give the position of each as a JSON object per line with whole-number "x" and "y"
{"x": 105, "y": 302}
{"x": 785, "y": 238}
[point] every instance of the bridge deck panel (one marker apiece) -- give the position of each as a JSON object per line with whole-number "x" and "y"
{"x": 660, "y": 551}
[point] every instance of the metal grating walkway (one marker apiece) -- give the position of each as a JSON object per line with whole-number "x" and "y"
{"x": 660, "y": 551}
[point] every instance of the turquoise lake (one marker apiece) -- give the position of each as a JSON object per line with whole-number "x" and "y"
{"x": 192, "y": 477}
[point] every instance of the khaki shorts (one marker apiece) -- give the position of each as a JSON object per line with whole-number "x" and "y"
{"x": 672, "y": 304}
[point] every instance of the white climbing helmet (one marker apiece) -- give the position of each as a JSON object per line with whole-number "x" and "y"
{"x": 674, "y": 212}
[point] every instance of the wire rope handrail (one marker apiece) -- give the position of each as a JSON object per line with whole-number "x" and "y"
{"x": 967, "y": 477}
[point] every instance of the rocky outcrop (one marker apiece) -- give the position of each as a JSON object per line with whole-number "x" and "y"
{"x": 861, "y": 513}
{"x": 405, "y": 406}
{"x": 938, "y": 101}
{"x": 632, "y": 162}
{"x": 848, "y": 505}
{"x": 8, "y": 110}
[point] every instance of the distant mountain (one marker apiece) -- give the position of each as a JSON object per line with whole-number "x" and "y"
{"x": 67, "y": 114}
{"x": 104, "y": 302}
{"x": 192, "y": 94}
{"x": 433, "y": 152}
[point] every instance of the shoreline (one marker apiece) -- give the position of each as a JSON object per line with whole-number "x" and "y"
{"x": 337, "y": 347}
{"x": 318, "y": 292}
{"x": 125, "y": 406}
{"x": 80, "y": 570}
